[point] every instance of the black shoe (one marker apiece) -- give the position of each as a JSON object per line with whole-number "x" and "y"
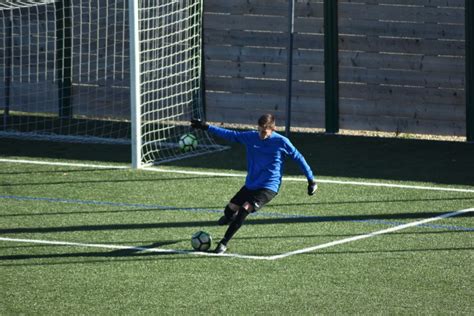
{"x": 221, "y": 248}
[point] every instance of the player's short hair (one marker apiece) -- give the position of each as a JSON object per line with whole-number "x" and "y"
{"x": 267, "y": 121}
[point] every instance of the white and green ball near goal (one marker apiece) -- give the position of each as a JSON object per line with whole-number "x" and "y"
{"x": 124, "y": 71}
{"x": 188, "y": 142}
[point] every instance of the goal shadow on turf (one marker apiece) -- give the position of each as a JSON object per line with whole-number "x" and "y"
{"x": 250, "y": 221}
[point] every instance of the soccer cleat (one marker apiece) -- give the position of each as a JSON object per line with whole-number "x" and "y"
{"x": 221, "y": 248}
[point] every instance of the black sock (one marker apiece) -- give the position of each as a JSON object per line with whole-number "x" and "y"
{"x": 230, "y": 213}
{"x": 235, "y": 225}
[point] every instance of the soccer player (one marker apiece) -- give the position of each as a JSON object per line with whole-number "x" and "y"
{"x": 266, "y": 152}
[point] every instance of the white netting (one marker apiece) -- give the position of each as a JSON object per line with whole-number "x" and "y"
{"x": 66, "y": 72}
{"x": 170, "y": 76}
{"x": 15, "y": 4}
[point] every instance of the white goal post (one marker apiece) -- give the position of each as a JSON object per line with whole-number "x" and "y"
{"x": 107, "y": 71}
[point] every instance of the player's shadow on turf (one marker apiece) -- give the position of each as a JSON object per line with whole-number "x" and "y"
{"x": 129, "y": 252}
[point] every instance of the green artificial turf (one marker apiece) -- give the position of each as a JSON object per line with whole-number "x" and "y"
{"x": 420, "y": 270}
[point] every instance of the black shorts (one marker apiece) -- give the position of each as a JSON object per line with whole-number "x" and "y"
{"x": 258, "y": 198}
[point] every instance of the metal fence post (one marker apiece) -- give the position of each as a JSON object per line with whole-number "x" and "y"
{"x": 331, "y": 66}
{"x": 469, "y": 70}
{"x": 8, "y": 69}
{"x": 202, "y": 88}
{"x": 289, "y": 76}
{"x": 64, "y": 57}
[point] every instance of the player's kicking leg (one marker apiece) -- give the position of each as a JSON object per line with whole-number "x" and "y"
{"x": 241, "y": 205}
{"x": 230, "y": 213}
{"x": 234, "y": 226}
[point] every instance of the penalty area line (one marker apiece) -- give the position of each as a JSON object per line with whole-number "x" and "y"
{"x": 234, "y": 255}
{"x": 373, "y": 234}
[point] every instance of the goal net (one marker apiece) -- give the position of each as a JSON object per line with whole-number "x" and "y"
{"x": 114, "y": 71}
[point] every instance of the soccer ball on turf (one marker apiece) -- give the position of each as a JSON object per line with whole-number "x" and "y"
{"x": 201, "y": 241}
{"x": 187, "y": 142}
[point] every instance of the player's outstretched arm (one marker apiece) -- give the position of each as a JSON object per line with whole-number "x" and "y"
{"x": 230, "y": 135}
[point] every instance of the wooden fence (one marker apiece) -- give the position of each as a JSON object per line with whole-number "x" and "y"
{"x": 401, "y": 63}
{"x": 246, "y": 61}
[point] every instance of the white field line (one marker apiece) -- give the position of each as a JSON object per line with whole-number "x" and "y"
{"x": 123, "y": 247}
{"x": 218, "y": 174}
{"x": 376, "y": 233}
{"x": 65, "y": 164}
{"x": 275, "y": 257}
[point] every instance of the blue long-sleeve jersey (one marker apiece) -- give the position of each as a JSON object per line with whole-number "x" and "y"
{"x": 265, "y": 158}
